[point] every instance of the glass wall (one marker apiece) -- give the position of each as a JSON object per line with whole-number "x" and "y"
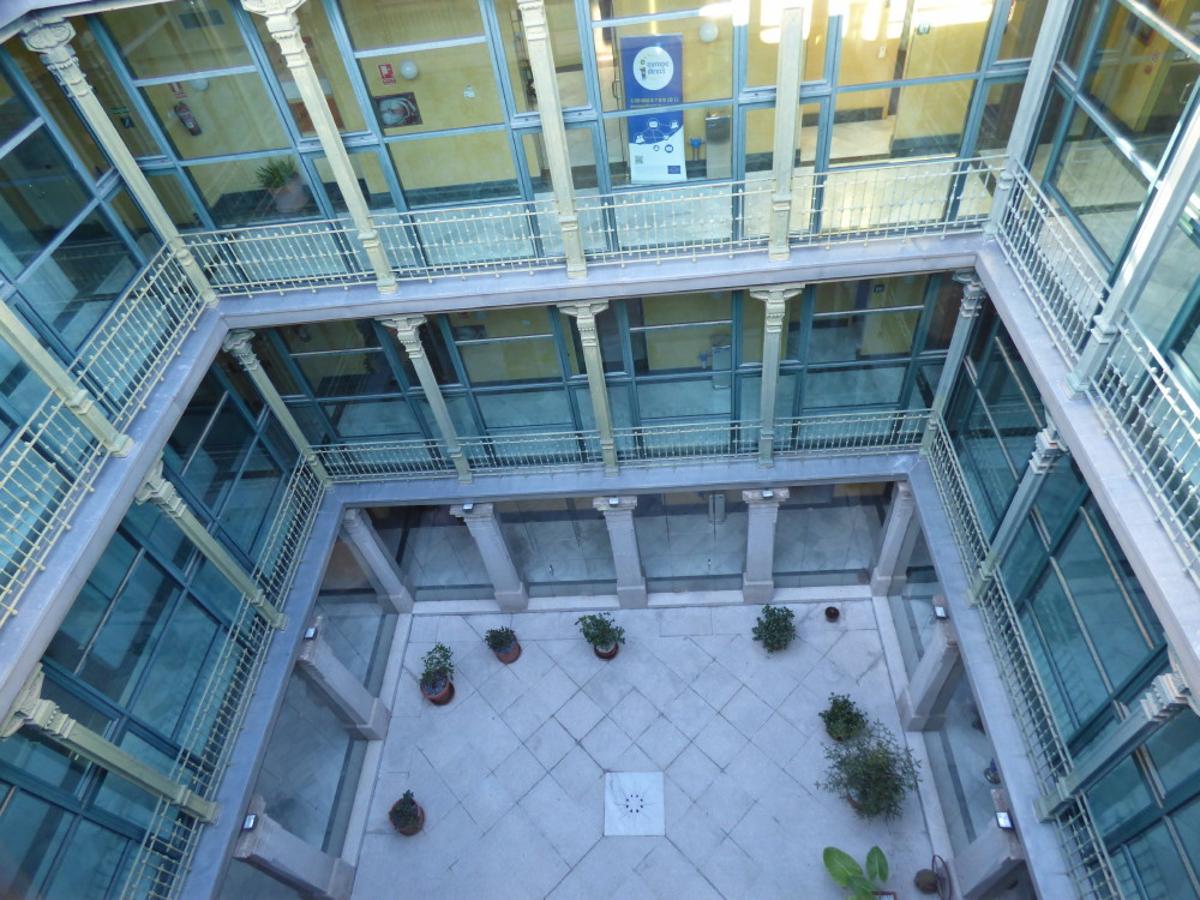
{"x": 827, "y": 534}
{"x": 692, "y": 541}
{"x": 1121, "y": 91}
{"x": 559, "y": 546}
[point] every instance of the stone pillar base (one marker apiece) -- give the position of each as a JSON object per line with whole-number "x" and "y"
{"x": 633, "y": 596}
{"x": 511, "y": 601}
{"x": 757, "y": 591}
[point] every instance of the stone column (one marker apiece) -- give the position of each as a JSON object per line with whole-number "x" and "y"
{"x": 364, "y": 714}
{"x": 1046, "y": 450}
{"x": 762, "y": 511}
{"x": 618, "y": 519}
{"x": 237, "y": 345}
{"x": 408, "y": 332}
{"x": 50, "y": 37}
{"x": 1037, "y": 82}
{"x": 788, "y": 73}
{"x": 1167, "y": 696}
{"x": 481, "y": 519}
{"x": 988, "y": 862}
{"x": 584, "y": 315}
{"x": 896, "y": 542}
{"x": 554, "y": 134}
{"x": 34, "y": 713}
{"x": 376, "y": 560}
{"x": 922, "y": 702}
{"x": 159, "y": 491}
{"x": 775, "y": 300}
{"x": 61, "y": 383}
{"x": 968, "y": 311}
{"x": 284, "y": 27}
{"x": 1168, "y": 203}
{"x": 271, "y": 848}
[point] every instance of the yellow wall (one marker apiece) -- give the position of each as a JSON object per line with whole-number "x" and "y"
{"x": 384, "y": 23}
{"x": 154, "y": 42}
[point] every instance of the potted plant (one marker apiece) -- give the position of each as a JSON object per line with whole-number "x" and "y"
{"x": 775, "y": 627}
{"x": 862, "y": 885}
{"x": 406, "y": 815}
{"x": 280, "y": 179}
{"x": 436, "y": 683}
{"x": 503, "y": 642}
{"x": 605, "y": 635}
{"x": 871, "y": 772}
{"x": 843, "y": 719}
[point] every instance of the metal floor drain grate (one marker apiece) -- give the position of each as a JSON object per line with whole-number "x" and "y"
{"x": 633, "y": 803}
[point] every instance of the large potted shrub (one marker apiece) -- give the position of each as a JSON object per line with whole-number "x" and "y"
{"x": 503, "y": 642}
{"x": 406, "y": 815}
{"x": 279, "y": 178}
{"x": 605, "y": 635}
{"x": 775, "y": 628}
{"x": 436, "y": 683}
{"x": 872, "y": 772}
{"x": 843, "y": 719}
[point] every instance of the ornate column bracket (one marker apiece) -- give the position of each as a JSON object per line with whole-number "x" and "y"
{"x": 969, "y": 309}
{"x": 554, "y": 133}
{"x": 284, "y": 27}
{"x": 408, "y": 332}
{"x": 157, "y": 489}
{"x": 1167, "y": 695}
{"x": 788, "y": 74}
{"x": 584, "y": 314}
{"x": 775, "y": 300}
{"x": 35, "y": 713}
{"x": 50, "y": 36}
{"x": 237, "y": 344}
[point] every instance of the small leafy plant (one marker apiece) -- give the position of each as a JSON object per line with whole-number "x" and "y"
{"x": 843, "y": 719}
{"x": 775, "y": 628}
{"x": 276, "y": 173}
{"x": 500, "y": 639}
{"x": 600, "y": 630}
{"x": 845, "y": 870}
{"x": 404, "y": 813}
{"x": 439, "y": 668}
{"x": 872, "y": 772}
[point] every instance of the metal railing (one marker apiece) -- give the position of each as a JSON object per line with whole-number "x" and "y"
{"x": 1059, "y": 273}
{"x": 1155, "y": 423}
{"x": 210, "y": 734}
{"x": 1091, "y": 868}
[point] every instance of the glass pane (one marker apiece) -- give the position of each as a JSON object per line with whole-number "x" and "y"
{"x": 568, "y": 59}
{"x": 1100, "y": 184}
{"x": 326, "y": 59}
{"x": 460, "y": 168}
{"x": 31, "y": 833}
{"x": 329, "y": 336}
{"x": 878, "y": 385}
{"x": 499, "y": 323}
{"x": 1021, "y": 29}
{"x": 246, "y": 191}
{"x": 859, "y": 337}
{"x": 40, "y": 194}
{"x": 388, "y": 23}
{"x": 1141, "y": 81}
{"x": 348, "y": 374}
{"x": 215, "y": 116}
{"x": 372, "y": 182}
{"x": 998, "y": 114}
{"x": 498, "y": 362}
{"x": 1173, "y": 749}
{"x": 392, "y": 416}
{"x": 911, "y": 121}
{"x": 168, "y": 38}
{"x": 706, "y": 139}
{"x": 73, "y": 289}
{"x": 626, "y": 51}
{"x": 1117, "y": 796}
{"x": 178, "y": 669}
{"x": 253, "y": 500}
{"x": 1187, "y": 820}
{"x": 23, "y": 390}
{"x": 1171, "y": 283}
{"x": 91, "y": 865}
{"x": 763, "y": 39}
{"x": 1072, "y": 661}
{"x": 1160, "y": 874}
{"x": 703, "y": 397}
{"x": 453, "y": 88}
{"x": 526, "y": 410}
{"x": 15, "y": 114}
{"x": 920, "y": 38}
{"x": 169, "y": 190}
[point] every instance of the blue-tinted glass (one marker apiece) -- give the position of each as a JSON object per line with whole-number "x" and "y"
{"x": 529, "y": 410}
{"x": 371, "y": 418}
{"x": 876, "y": 386}
{"x": 39, "y": 757}
{"x": 215, "y": 589}
{"x": 40, "y": 194}
{"x": 183, "y": 654}
{"x": 1150, "y": 868}
{"x": 67, "y": 646}
{"x": 31, "y": 832}
{"x": 253, "y": 498}
{"x": 1069, "y": 655}
{"x": 1118, "y": 796}
{"x": 214, "y": 466}
{"x": 22, "y": 392}
{"x": 91, "y": 865}
{"x": 1187, "y": 821}
{"x": 1024, "y": 558}
{"x": 1173, "y": 749}
{"x": 190, "y": 428}
{"x": 122, "y": 797}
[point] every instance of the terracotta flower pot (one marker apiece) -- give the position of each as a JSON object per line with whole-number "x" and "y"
{"x": 832, "y": 614}
{"x": 926, "y": 881}
{"x": 510, "y": 655}
{"x": 442, "y": 695}
{"x": 607, "y": 652}
{"x": 410, "y": 830}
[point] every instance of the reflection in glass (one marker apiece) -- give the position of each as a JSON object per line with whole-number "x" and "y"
{"x": 455, "y": 88}
{"x": 390, "y": 23}
{"x": 459, "y": 168}
{"x": 247, "y": 191}
{"x": 166, "y": 40}
{"x": 40, "y": 194}
{"x": 214, "y": 116}
{"x": 912, "y": 121}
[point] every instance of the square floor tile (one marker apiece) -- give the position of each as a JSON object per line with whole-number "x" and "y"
{"x": 634, "y": 804}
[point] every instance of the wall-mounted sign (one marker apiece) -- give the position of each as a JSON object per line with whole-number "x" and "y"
{"x": 386, "y": 73}
{"x": 398, "y": 110}
{"x": 652, "y": 71}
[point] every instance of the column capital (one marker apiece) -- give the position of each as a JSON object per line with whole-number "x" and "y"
{"x": 778, "y": 293}
{"x": 50, "y": 38}
{"x": 272, "y": 7}
{"x": 237, "y": 344}
{"x": 467, "y": 511}
{"x": 1047, "y": 447}
{"x": 1167, "y": 694}
{"x": 533, "y": 19}
{"x": 904, "y": 491}
{"x": 614, "y": 504}
{"x": 157, "y": 489}
{"x": 766, "y": 496}
{"x": 973, "y": 292}
{"x": 407, "y": 329}
{"x": 31, "y": 709}
{"x": 583, "y": 309}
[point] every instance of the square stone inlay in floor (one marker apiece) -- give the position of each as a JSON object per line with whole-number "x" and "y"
{"x": 633, "y": 803}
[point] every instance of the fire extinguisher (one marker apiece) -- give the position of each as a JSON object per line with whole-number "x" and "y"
{"x": 184, "y": 113}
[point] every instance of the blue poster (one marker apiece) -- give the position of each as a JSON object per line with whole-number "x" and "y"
{"x": 652, "y": 70}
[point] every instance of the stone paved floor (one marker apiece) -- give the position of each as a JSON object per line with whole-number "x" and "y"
{"x": 510, "y": 773}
